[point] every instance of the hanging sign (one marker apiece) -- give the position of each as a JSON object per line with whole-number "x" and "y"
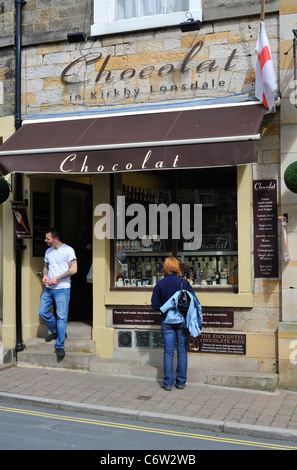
{"x": 265, "y": 228}
{"x": 21, "y": 223}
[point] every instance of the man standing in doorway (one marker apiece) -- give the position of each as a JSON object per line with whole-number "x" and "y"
{"x": 60, "y": 264}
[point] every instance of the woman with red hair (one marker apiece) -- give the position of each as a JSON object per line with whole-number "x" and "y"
{"x": 173, "y": 333}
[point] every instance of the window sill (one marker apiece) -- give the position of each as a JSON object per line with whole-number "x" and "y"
{"x": 142, "y": 297}
{"x": 139, "y": 24}
{"x": 149, "y": 288}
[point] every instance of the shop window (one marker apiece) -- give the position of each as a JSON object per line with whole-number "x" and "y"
{"x": 149, "y": 207}
{"x": 116, "y": 16}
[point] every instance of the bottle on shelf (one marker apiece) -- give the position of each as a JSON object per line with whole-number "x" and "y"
{"x": 127, "y": 195}
{"x": 154, "y": 276}
{"x": 120, "y": 278}
{"x": 148, "y": 270}
{"x": 218, "y": 271}
{"x": 209, "y": 272}
{"x": 132, "y": 274}
{"x": 138, "y": 196}
{"x": 199, "y": 274}
{"x": 217, "y": 276}
{"x": 139, "y": 271}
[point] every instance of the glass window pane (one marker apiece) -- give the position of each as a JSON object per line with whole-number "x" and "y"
{"x": 155, "y": 226}
{"x": 126, "y": 9}
{"x": 216, "y": 262}
{"x": 177, "y": 5}
{"x": 141, "y": 250}
{"x": 151, "y": 7}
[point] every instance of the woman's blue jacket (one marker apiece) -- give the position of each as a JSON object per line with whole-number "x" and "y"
{"x": 193, "y": 320}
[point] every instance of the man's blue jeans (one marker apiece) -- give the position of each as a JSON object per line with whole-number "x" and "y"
{"x": 57, "y": 325}
{"x": 175, "y": 335}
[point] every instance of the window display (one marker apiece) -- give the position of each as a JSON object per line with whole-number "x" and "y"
{"x": 154, "y": 205}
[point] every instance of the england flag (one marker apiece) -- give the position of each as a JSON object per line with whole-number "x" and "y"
{"x": 266, "y": 82}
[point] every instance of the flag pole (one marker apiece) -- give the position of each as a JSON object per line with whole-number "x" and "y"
{"x": 262, "y": 10}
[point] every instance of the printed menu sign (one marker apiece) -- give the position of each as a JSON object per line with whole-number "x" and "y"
{"x": 265, "y": 228}
{"x": 135, "y": 316}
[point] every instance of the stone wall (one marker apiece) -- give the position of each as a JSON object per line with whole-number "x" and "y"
{"x": 288, "y": 326}
{"x": 47, "y": 22}
{"x": 154, "y": 66}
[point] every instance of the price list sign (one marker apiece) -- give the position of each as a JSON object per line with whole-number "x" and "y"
{"x": 265, "y": 228}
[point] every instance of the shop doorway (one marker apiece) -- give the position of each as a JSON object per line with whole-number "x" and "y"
{"x": 73, "y": 217}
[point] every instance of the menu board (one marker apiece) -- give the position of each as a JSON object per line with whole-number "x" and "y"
{"x": 265, "y": 228}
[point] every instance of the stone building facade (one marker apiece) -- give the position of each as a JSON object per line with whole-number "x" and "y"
{"x": 162, "y": 66}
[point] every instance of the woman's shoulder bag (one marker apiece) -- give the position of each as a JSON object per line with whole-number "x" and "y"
{"x": 183, "y": 301}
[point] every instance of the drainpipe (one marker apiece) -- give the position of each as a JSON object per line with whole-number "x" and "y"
{"x": 18, "y": 189}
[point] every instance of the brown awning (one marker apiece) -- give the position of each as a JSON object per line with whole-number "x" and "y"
{"x": 192, "y": 137}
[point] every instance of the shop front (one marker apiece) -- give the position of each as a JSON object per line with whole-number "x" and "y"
{"x": 139, "y": 146}
{"x": 128, "y": 190}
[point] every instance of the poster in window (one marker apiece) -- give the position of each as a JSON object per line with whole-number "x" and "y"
{"x": 20, "y": 218}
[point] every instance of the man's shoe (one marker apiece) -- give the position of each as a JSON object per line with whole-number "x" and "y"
{"x": 168, "y": 389}
{"x": 180, "y": 387}
{"x": 60, "y": 352}
{"x": 51, "y": 337}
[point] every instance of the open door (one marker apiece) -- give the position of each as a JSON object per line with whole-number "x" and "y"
{"x": 73, "y": 217}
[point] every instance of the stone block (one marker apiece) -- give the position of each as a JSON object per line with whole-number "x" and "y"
{"x": 289, "y": 302}
{"x": 287, "y": 6}
{"x": 261, "y": 345}
{"x": 142, "y": 60}
{"x": 287, "y": 344}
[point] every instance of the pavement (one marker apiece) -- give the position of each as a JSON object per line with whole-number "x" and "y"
{"x": 269, "y": 415}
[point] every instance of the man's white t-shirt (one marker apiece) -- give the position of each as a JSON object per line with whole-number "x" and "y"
{"x": 58, "y": 263}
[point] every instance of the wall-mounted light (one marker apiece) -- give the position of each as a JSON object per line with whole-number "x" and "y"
{"x": 77, "y": 37}
{"x": 190, "y": 24}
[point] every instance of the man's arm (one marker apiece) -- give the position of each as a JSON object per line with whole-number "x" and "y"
{"x": 72, "y": 270}
{"x": 45, "y": 274}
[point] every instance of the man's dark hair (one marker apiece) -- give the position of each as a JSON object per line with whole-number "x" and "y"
{"x": 55, "y": 233}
